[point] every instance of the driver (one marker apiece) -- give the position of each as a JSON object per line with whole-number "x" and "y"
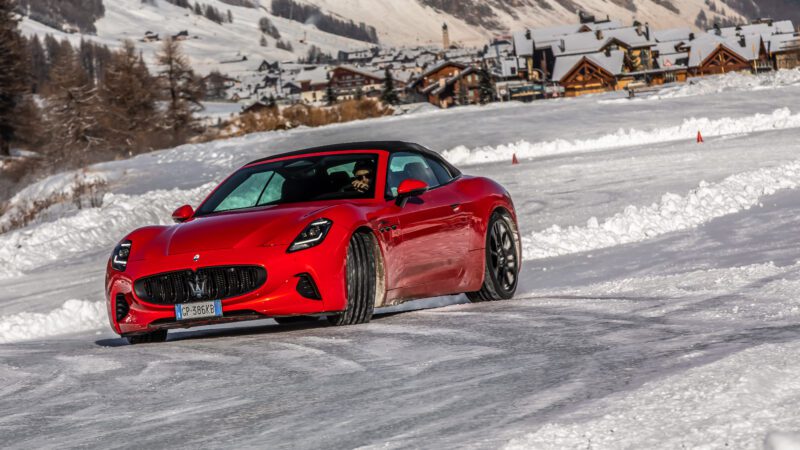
{"x": 363, "y": 176}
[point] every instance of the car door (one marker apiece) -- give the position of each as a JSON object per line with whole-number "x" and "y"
{"x": 430, "y": 227}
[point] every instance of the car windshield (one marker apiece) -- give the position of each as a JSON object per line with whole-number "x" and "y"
{"x": 350, "y": 176}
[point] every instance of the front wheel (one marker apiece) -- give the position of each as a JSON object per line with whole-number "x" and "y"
{"x": 360, "y": 282}
{"x": 501, "y": 269}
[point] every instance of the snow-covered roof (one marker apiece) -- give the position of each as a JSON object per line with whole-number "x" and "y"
{"x": 667, "y": 48}
{"x": 769, "y": 28}
{"x": 440, "y": 65}
{"x": 672, "y": 34}
{"x": 706, "y": 44}
{"x": 315, "y": 75}
{"x": 612, "y": 62}
{"x": 783, "y": 42}
{"x": 523, "y": 46}
{"x": 592, "y": 42}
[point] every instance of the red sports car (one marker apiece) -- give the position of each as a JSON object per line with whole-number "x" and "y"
{"x": 330, "y": 231}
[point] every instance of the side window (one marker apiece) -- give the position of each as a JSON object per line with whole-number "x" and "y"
{"x": 403, "y": 166}
{"x": 441, "y": 172}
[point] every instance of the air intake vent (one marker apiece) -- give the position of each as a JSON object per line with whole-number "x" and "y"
{"x": 208, "y": 283}
{"x": 306, "y": 287}
{"x": 122, "y": 307}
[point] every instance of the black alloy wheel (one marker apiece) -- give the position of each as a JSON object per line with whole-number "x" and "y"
{"x": 501, "y": 271}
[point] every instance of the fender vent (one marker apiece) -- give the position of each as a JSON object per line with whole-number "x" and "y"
{"x": 306, "y": 287}
{"x": 121, "y": 306}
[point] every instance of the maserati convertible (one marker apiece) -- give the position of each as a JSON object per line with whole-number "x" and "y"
{"x": 332, "y": 231}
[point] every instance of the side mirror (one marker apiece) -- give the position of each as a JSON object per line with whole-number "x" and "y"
{"x": 182, "y": 214}
{"x": 410, "y": 188}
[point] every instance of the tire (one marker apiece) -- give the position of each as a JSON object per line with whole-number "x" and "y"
{"x": 148, "y": 338}
{"x": 294, "y": 319}
{"x": 360, "y": 282}
{"x": 502, "y": 245}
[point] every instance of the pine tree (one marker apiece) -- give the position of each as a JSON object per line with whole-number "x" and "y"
{"x": 38, "y": 64}
{"x": 389, "y": 95}
{"x": 181, "y": 89}
{"x": 485, "y": 84}
{"x": 330, "y": 94}
{"x": 263, "y": 41}
{"x": 129, "y": 99}
{"x": 14, "y": 73}
{"x": 74, "y": 112}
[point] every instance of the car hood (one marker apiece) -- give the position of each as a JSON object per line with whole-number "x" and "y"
{"x": 274, "y": 225}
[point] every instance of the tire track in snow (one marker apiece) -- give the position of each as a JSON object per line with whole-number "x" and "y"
{"x": 779, "y": 119}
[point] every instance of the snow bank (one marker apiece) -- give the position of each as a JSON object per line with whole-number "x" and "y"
{"x": 90, "y": 229}
{"x": 779, "y": 119}
{"x": 736, "y": 81}
{"x": 73, "y": 316}
{"x": 35, "y": 198}
{"x": 737, "y": 402}
{"x": 673, "y": 213}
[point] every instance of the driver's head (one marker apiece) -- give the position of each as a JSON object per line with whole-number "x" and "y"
{"x": 363, "y": 172}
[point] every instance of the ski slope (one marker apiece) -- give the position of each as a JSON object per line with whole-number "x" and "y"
{"x": 658, "y": 307}
{"x": 210, "y": 46}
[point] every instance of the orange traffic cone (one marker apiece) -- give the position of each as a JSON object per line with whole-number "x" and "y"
{"x": 699, "y": 138}
{"x": 514, "y": 159}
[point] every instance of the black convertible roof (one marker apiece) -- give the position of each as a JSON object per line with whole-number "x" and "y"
{"x": 389, "y": 146}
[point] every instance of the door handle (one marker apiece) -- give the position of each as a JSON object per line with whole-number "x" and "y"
{"x": 455, "y": 206}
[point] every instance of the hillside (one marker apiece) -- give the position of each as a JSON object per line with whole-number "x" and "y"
{"x": 399, "y": 22}
{"x": 230, "y": 47}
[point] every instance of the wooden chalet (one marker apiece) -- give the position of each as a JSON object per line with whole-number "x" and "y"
{"x": 449, "y": 83}
{"x": 347, "y": 81}
{"x": 712, "y": 55}
{"x": 784, "y": 51}
{"x": 590, "y": 74}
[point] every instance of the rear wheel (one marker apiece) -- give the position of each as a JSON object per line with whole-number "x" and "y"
{"x": 148, "y": 338}
{"x": 360, "y": 282}
{"x": 501, "y": 270}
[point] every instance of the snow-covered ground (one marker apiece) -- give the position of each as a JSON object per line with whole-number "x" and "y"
{"x": 659, "y": 304}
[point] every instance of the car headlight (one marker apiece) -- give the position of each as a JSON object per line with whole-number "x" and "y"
{"x": 312, "y": 235}
{"x": 119, "y": 259}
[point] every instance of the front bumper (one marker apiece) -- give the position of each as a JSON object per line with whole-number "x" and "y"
{"x": 278, "y": 296}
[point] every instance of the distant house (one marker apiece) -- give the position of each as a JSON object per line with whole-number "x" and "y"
{"x": 449, "y": 83}
{"x": 589, "y": 73}
{"x": 267, "y": 66}
{"x": 181, "y": 36}
{"x": 150, "y": 36}
{"x": 348, "y": 81}
{"x": 256, "y": 108}
{"x": 784, "y": 50}
{"x": 711, "y": 55}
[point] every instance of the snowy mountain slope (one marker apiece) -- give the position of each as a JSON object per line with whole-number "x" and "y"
{"x": 681, "y": 337}
{"x": 211, "y": 46}
{"x": 412, "y": 22}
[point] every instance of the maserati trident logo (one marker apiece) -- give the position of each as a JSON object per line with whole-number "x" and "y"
{"x": 197, "y": 285}
{"x": 196, "y": 257}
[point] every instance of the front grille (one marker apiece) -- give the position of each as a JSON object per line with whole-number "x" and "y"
{"x": 208, "y": 283}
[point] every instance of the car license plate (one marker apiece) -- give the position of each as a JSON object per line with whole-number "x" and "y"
{"x": 198, "y": 310}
